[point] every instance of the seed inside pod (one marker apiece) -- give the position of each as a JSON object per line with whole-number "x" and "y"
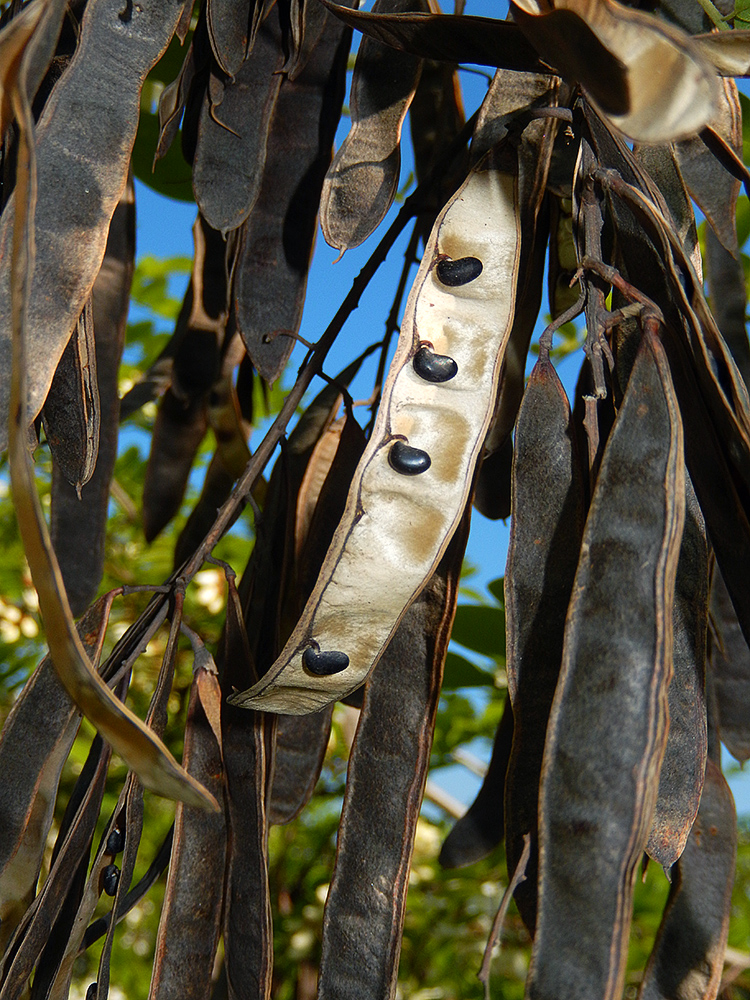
{"x": 110, "y": 878}
{"x": 115, "y": 842}
{"x": 324, "y": 662}
{"x": 407, "y": 460}
{"x": 434, "y": 367}
{"x": 458, "y": 272}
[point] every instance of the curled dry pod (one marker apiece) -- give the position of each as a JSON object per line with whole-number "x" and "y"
{"x": 233, "y": 130}
{"x": 548, "y": 513}
{"x": 78, "y": 526}
{"x": 725, "y": 277}
{"x": 188, "y": 934}
{"x": 364, "y": 914}
{"x": 729, "y": 657}
{"x": 362, "y": 180}
{"x": 396, "y": 527}
{"x": 71, "y": 411}
{"x": 688, "y": 956}
{"x": 275, "y": 243}
{"x": 228, "y": 23}
{"x": 83, "y": 144}
{"x": 608, "y": 724}
{"x": 648, "y": 76}
{"x": 511, "y": 93}
{"x": 454, "y": 38}
{"x": 32, "y": 770}
{"x": 684, "y": 764}
{"x": 714, "y": 189}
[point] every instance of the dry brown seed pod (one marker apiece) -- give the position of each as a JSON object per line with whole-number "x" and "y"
{"x": 396, "y": 527}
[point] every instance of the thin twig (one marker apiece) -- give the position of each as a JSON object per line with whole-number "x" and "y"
{"x": 391, "y": 324}
{"x": 519, "y": 876}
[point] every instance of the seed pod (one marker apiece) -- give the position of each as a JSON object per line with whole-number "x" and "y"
{"x": 276, "y": 241}
{"x": 712, "y": 187}
{"x": 688, "y": 956}
{"x": 608, "y": 723}
{"x": 82, "y": 159}
{"x": 684, "y": 764}
{"x": 548, "y": 513}
{"x": 188, "y": 934}
{"x": 729, "y": 657}
{"x": 364, "y": 914}
{"x": 362, "y": 180}
{"x": 71, "y": 410}
{"x": 401, "y": 513}
{"x": 233, "y": 131}
{"x": 513, "y": 93}
{"x": 301, "y": 743}
{"x": 78, "y": 527}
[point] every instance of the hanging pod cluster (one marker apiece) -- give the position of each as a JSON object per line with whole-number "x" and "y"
{"x": 626, "y": 602}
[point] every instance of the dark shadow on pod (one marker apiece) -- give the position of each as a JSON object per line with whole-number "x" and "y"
{"x": 458, "y": 272}
{"x": 434, "y": 367}
{"x": 407, "y": 460}
{"x": 324, "y": 663}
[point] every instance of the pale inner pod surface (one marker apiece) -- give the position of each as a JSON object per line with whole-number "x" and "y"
{"x": 398, "y": 520}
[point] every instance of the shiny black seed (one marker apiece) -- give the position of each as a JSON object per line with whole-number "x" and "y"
{"x": 91, "y": 991}
{"x": 458, "y": 272}
{"x": 407, "y": 460}
{"x": 110, "y": 878}
{"x": 324, "y": 662}
{"x": 434, "y": 367}
{"x": 115, "y": 842}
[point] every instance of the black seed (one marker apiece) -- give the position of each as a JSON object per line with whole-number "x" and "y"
{"x": 324, "y": 662}
{"x": 110, "y": 878}
{"x": 434, "y": 367}
{"x": 407, "y": 460}
{"x": 91, "y": 991}
{"x": 458, "y": 272}
{"x": 115, "y": 842}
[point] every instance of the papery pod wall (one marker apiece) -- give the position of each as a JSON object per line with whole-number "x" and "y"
{"x": 241, "y": 530}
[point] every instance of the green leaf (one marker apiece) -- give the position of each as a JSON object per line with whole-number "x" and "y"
{"x": 497, "y": 589}
{"x": 743, "y": 213}
{"x": 151, "y": 284}
{"x": 745, "y": 105}
{"x": 480, "y": 628}
{"x": 461, "y": 673}
{"x": 742, "y": 22}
